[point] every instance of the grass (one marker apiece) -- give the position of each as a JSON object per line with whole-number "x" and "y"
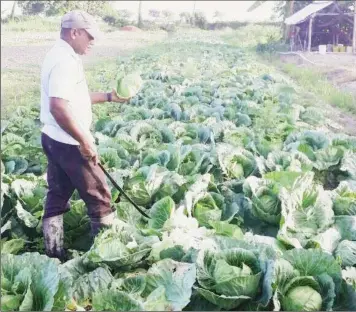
{"x": 40, "y": 24}
{"x": 251, "y": 35}
{"x": 18, "y": 88}
{"x": 22, "y": 87}
{"x": 31, "y": 24}
{"x": 316, "y": 82}
{"x": 311, "y": 80}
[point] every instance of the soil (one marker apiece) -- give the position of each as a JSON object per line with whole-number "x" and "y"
{"x": 343, "y": 122}
{"x": 130, "y": 28}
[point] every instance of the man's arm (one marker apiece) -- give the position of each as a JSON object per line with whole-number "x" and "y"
{"x": 102, "y": 97}
{"x": 61, "y": 113}
{"x": 98, "y": 97}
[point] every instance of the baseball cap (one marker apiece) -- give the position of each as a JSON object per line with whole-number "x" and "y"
{"x": 81, "y": 19}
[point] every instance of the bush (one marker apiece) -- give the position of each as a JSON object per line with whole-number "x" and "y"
{"x": 150, "y": 25}
{"x": 32, "y": 7}
{"x": 200, "y": 20}
{"x": 110, "y": 19}
{"x": 31, "y": 23}
{"x": 53, "y": 8}
{"x": 272, "y": 46}
{"x": 236, "y": 25}
{"x": 254, "y": 35}
{"x": 116, "y": 18}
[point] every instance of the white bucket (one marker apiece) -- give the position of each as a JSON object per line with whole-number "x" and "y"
{"x": 322, "y": 49}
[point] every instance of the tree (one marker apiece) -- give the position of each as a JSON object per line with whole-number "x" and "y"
{"x": 354, "y": 32}
{"x": 94, "y": 7}
{"x": 139, "y": 22}
{"x": 12, "y": 15}
{"x": 167, "y": 14}
{"x": 200, "y": 20}
{"x": 218, "y": 15}
{"x": 287, "y": 8}
{"x": 186, "y": 17}
{"x": 51, "y": 8}
{"x": 125, "y": 14}
{"x": 255, "y": 5}
{"x": 154, "y": 13}
{"x": 283, "y": 9}
{"x": 32, "y": 7}
{"x": 193, "y": 15}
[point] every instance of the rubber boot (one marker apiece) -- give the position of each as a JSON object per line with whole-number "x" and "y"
{"x": 53, "y": 237}
{"x": 99, "y": 224}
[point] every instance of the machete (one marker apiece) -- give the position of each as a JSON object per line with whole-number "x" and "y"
{"x": 122, "y": 191}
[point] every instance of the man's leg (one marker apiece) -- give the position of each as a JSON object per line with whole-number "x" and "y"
{"x": 92, "y": 187}
{"x": 94, "y": 190}
{"x": 60, "y": 189}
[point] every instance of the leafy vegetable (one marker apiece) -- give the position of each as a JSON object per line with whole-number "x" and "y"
{"x": 129, "y": 85}
{"x": 251, "y": 199}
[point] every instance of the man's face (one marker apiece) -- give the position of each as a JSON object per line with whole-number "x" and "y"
{"x": 82, "y": 41}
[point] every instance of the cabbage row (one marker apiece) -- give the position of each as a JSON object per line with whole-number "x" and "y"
{"x": 252, "y": 200}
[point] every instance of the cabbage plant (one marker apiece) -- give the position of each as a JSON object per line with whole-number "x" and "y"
{"x": 344, "y": 200}
{"x": 227, "y": 278}
{"x": 263, "y": 194}
{"x": 305, "y": 280}
{"x": 33, "y": 282}
{"x": 307, "y": 215}
{"x": 129, "y": 85}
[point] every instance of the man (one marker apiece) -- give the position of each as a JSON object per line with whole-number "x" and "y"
{"x": 66, "y": 139}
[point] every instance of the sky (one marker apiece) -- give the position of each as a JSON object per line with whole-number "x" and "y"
{"x": 231, "y": 10}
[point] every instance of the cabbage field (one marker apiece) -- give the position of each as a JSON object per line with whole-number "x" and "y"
{"x": 252, "y": 201}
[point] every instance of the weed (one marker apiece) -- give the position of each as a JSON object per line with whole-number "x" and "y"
{"x": 316, "y": 82}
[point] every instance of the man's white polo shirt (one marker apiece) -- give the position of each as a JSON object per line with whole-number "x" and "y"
{"x": 63, "y": 76}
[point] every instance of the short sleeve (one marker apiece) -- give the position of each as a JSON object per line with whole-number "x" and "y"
{"x": 63, "y": 79}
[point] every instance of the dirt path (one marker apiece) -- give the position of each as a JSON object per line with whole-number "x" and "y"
{"x": 339, "y": 121}
{"x": 26, "y": 50}
{"x": 22, "y": 54}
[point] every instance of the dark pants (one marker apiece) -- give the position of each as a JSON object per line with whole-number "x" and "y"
{"x": 67, "y": 171}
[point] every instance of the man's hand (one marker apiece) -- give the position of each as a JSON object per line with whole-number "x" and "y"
{"x": 116, "y": 98}
{"x": 89, "y": 152}
{"x": 102, "y": 97}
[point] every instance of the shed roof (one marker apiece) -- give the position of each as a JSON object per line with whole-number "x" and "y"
{"x": 304, "y": 13}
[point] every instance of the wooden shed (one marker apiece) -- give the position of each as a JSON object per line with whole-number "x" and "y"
{"x": 324, "y": 24}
